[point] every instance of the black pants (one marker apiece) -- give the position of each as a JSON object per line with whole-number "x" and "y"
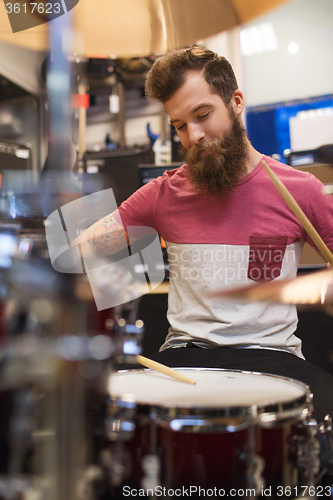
{"x": 258, "y": 360}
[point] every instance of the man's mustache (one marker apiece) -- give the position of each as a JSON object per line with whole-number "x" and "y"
{"x": 214, "y": 147}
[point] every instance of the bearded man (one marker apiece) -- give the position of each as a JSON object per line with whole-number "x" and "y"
{"x": 224, "y": 224}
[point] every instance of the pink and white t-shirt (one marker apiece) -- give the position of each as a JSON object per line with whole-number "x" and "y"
{"x": 249, "y": 236}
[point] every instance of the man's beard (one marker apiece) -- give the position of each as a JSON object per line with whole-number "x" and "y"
{"x": 219, "y": 171}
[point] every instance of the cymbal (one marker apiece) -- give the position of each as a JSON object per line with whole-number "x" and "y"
{"x": 130, "y": 28}
{"x": 313, "y": 289}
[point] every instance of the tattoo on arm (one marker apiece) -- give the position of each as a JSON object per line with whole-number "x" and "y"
{"x": 106, "y": 236}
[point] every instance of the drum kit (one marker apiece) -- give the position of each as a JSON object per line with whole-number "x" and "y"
{"x": 74, "y": 425}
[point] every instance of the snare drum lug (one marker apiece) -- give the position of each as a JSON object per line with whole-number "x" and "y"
{"x": 326, "y": 444}
{"x": 256, "y": 465}
{"x": 307, "y": 451}
{"x": 311, "y": 426}
{"x": 326, "y": 426}
{"x": 119, "y": 423}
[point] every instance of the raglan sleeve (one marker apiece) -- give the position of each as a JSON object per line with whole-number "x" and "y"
{"x": 137, "y": 213}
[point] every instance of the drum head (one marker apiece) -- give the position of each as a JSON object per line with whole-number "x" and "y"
{"x": 215, "y": 388}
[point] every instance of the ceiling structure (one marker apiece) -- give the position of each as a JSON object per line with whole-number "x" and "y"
{"x": 134, "y": 28}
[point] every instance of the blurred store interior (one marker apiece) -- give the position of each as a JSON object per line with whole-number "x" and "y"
{"x": 282, "y": 62}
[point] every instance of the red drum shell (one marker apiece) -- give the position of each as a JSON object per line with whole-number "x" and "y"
{"x": 208, "y": 434}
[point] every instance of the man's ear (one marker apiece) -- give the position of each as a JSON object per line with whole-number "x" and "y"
{"x": 238, "y": 102}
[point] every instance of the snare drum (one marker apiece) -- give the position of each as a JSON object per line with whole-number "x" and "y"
{"x": 232, "y": 429}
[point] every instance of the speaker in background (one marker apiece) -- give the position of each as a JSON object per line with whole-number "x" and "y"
{"x": 14, "y": 157}
{"x": 118, "y": 168}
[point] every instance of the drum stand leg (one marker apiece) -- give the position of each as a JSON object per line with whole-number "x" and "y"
{"x": 150, "y": 463}
{"x": 308, "y": 455}
{"x": 63, "y": 455}
{"x": 255, "y": 466}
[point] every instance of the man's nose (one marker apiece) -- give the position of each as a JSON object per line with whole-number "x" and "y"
{"x": 195, "y": 134}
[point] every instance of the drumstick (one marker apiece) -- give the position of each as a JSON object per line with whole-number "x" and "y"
{"x": 298, "y": 212}
{"x": 149, "y": 363}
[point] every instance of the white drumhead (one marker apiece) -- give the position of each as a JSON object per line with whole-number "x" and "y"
{"x": 214, "y": 388}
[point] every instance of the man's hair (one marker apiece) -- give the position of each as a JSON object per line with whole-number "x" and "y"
{"x": 169, "y": 73}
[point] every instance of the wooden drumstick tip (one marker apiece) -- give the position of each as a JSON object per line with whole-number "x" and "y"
{"x": 149, "y": 363}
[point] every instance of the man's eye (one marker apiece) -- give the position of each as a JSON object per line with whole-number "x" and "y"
{"x": 181, "y": 127}
{"x": 202, "y": 117}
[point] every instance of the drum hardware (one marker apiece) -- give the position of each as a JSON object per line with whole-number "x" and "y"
{"x": 16, "y": 441}
{"x": 190, "y": 423}
{"x": 31, "y": 288}
{"x": 326, "y": 444}
{"x": 151, "y": 463}
{"x": 46, "y": 445}
{"x": 81, "y": 364}
{"x": 128, "y": 341}
{"x": 120, "y": 428}
{"x": 271, "y": 419}
{"x": 23, "y": 390}
{"x": 92, "y": 483}
{"x": 19, "y": 488}
{"x": 116, "y": 464}
{"x": 326, "y": 429}
{"x": 42, "y": 406}
{"x": 119, "y": 423}
{"x": 255, "y": 465}
{"x": 307, "y": 450}
{"x": 21, "y": 427}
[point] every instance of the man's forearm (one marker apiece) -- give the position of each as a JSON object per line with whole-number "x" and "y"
{"x": 105, "y": 237}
